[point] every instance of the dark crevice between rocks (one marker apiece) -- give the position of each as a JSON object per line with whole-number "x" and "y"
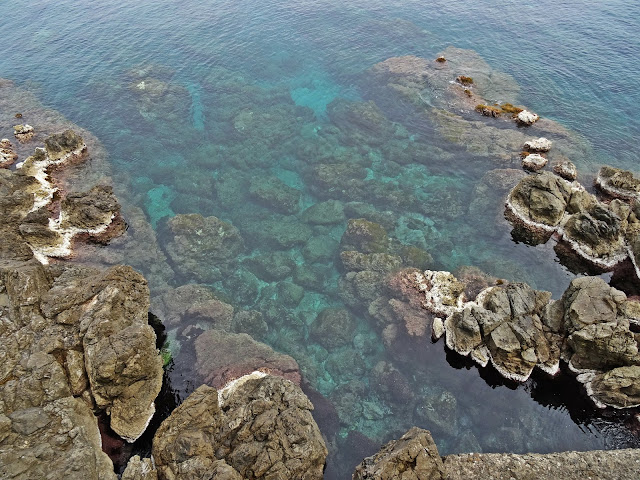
{"x": 167, "y": 400}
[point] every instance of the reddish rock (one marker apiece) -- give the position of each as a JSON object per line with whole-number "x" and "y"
{"x": 222, "y": 357}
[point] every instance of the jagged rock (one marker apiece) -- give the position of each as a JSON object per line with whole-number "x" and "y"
{"x": 202, "y": 247}
{"x": 72, "y": 331}
{"x": 59, "y": 439}
{"x": 222, "y": 357}
{"x": 23, "y": 133}
{"x": 139, "y": 469}
{"x": 7, "y": 155}
{"x": 599, "y": 334}
{"x": 566, "y": 169}
{"x": 619, "y": 387}
{"x": 413, "y": 457}
{"x": 525, "y": 117}
{"x": 258, "y": 427}
{"x": 540, "y": 199}
{"x": 534, "y": 162}
{"x": 540, "y": 145}
{"x": 618, "y": 183}
{"x": 122, "y": 364}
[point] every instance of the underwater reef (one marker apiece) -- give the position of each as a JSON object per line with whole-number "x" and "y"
{"x": 313, "y": 245}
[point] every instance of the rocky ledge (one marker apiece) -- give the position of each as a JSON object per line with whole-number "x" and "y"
{"x": 517, "y": 329}
{"x": 601, "y": 231}
{"x": 415, "y": 456}
{"x": 40, "y": 215}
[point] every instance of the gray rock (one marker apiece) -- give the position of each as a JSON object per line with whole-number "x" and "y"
{"x": 259, "y": 427}
{"x": 413, "y": 457}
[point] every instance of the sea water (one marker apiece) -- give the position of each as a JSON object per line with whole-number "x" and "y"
{"x": 194, "y": 100}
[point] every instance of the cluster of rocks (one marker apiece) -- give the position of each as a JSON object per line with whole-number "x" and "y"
{"x": 415, "y": 456}
{"x": 517, "y": 329}
{"x": 30, "y": 194}
{"x": 452, "y": 105}
{"x": 75, "y": 342}
{"x": 602, "y": 233}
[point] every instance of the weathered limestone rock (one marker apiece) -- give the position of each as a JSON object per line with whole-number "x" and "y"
{"x": 23, "y": 133}
{"x": 7, "y": 155}
{"x": 619, "y": 387}
{"x": 534, "y": 162}
{"x": 525, "y": 117}
{"x": 139, "y": 469}
{"x": 57, "y": 440}
{"x": 518, "y": 329}
{"x": 618, "y": 183}
{"x": 603, "y": 234}
{"x": 413, "y": 457}
{"x": 566, "y": 169}
{"x": 540, "y": 200}
{"x": 257, "y": 427}
{"x": 540, "y": 145}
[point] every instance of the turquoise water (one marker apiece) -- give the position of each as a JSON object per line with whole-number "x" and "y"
{"x": 236, "y": 92}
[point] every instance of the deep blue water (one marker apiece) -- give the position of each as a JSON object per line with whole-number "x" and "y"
{"x": 283, "y": 62}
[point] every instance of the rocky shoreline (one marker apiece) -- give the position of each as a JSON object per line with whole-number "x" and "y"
{"x": 76, "y": 341}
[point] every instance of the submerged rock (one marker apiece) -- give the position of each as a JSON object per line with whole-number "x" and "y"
{"x": 202, "y": 247}
{"x": 222, "y": 357}
{"x": 257, "y": 427}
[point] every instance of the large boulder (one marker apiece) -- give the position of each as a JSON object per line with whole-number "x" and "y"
{"x": 257, "y": 427}
{"x": 413, "y": 457}
{"x": 110, "y": 311}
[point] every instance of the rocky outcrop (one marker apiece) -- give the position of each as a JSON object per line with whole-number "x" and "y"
{"x": 618, "y": 183}
{"x": 603, "y": 234}
{"x": 527, "y": 118}
{"x": 202, "y": 248}
{"x": 518, "y": 329}
{"x": 415, "y": 456}
{"x": 73, "y": 339}
{"x": 257, "y": 427}
{"x": 31, "y": 193}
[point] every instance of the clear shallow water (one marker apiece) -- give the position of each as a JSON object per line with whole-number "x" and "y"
{"x": 245, "y": 88}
